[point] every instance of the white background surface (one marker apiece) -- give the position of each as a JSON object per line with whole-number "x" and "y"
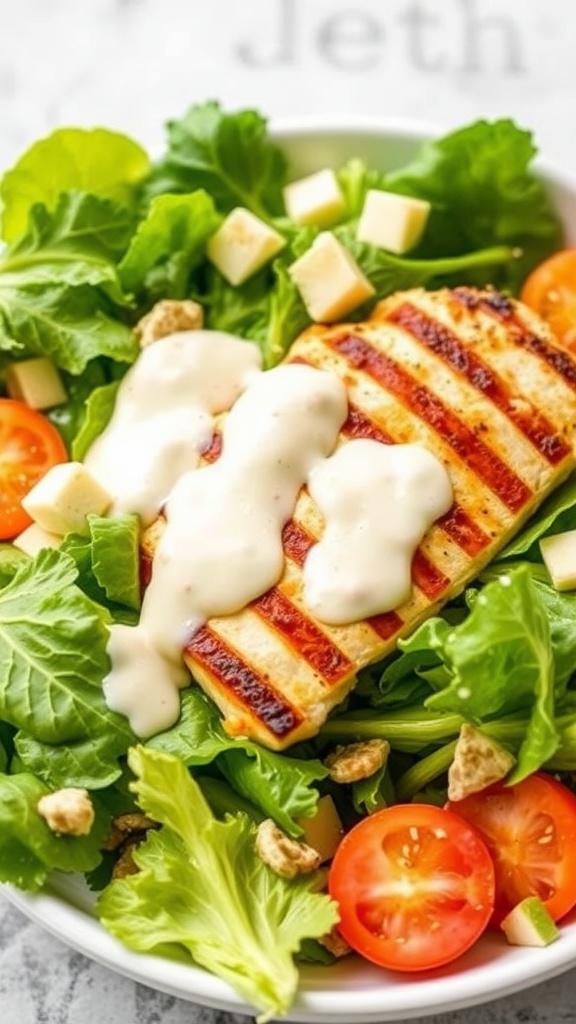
{"x": 132, "y": 64}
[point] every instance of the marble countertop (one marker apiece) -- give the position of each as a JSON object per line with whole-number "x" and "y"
{"x": 132, "y": 64}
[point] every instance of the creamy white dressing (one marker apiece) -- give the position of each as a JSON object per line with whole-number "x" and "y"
{"x": 221, "y": 546}
{"x": 378, "y": 501}
{"x": 164, "y": 415}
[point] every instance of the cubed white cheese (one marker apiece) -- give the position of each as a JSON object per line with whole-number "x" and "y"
{"x": 242, "y": 245}
{"x": 329, "y": 280}
{"x": 35, "y": 382}
{"x": 392, "y": 222}
{"x": 34, "y": 539}
{"x": 316, "y": 199}
{"x": 62, "y": 499}
{"x": 559, "y": 554}
{"x": 324, "y": 831}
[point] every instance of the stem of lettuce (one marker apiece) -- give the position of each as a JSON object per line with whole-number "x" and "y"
{"x": 421, "y": 774}
{"x": 409, "y": 731}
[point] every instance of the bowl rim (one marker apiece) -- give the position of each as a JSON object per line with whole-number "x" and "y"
{"x": 411, "y": 129}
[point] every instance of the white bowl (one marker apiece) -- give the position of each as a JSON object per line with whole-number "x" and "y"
{"x": 351, "y": 991}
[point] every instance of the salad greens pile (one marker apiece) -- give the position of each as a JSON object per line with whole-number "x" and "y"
{"x": 94, "y": 234}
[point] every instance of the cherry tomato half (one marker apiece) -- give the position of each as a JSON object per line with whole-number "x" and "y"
{"x": 29, "y": 447}
{"x": 530, "y": 830}
{"x": 415, "y": 887}
{"x": 550, "y": 290}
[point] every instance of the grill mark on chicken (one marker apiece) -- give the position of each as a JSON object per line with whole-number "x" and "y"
{"x": 462, "y": 529}
{"x": 448, "y": 347}
{"x": 504, "y": 311}
{"x": 428, "y": 577}
{"x": 214, "y": 450}
{"x": 303, "y": 636}
{"x": 419, "y": 399}
{"x": 358, "y": 425}
{"x": 296, "y": 542}
{"x": 232, "y": 674}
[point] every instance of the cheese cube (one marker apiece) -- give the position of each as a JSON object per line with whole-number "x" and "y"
{"x": 559, "y": 555}
{"x": 392, "y": 222}
{"x": 34, "y": 539}
{"x": 317, "y": 199}
{"x": 329, "y": 280}
{"x": 62, "y": 499}
{"x": 35, "y": 382}
{"x": 324, "y": 831}
{"x": 242, "y": 245}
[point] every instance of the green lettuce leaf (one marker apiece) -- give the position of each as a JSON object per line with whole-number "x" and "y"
{"x": 101, "y": 162}
{"x": 389, "y": 273}
{"x": 168, "y": 246}
{"x": 11, "y": 559}
{"x": 60, "y": 295}
{"x": 229, "y": 155}
{"x": 52, "y": 662}
{"x": 483, "y": 192}
{"x": 97, "y": 413}
{"x": 282, "y": 787}
{"x": 501, "y": 661}
{"x": 29, "y": 850}
{"x": 244, "y": 924}
{"x": 108, "y": 561}
{"x": 356, "y": 179}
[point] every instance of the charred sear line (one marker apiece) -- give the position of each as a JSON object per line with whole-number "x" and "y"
{"x": 304, "y": 637}
{"x": 231, "y": 673}
{"x": 448, "y": 347}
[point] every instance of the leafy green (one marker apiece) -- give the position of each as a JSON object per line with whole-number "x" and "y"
{"x": 101, "y": 162}
{"x": 242, "y": 923}
{"x": 231, "y": 156}
{"x": 501, "y": 661}
{"x": 356, "y": 178}
{"x": 281, "y": 786}
{"x": 168, "y": 246}
{"x": 483, "y": 192}
{"x": 389, "y": 273}
{"x": 60, "y": 295}
{"x": 28, "y": 848}
{"x": 97, "y": 413}
{"x": 11, "y": 559}
{"x": 52, "y": 662}
{"x": 67, "y": 418}
{"x": 107, "y": 558}
{"x": 373, "y": 793}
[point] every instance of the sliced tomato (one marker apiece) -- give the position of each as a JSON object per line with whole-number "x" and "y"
{"x": 415, "y": 887}
{"x": 550, "y": 290}
{"x": 530, "y": 830}
{"x": 29, "y": 447}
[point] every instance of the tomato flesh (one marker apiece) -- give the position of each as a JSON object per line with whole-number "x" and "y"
{"x": 530, "y": 830}
{"x": 29, "y": 447}
{"x": 415, "y": 887}
{"x": 550, "y": 290}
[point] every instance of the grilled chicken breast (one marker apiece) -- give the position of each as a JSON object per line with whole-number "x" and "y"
{"x": 476, "y": 378}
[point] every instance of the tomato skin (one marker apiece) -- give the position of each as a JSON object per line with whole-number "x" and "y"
{"x": 415, "y": 887}
{"x": 29, "y": 447}
{"x": 530, "y": 831}
{"x": 550, "y": 290}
